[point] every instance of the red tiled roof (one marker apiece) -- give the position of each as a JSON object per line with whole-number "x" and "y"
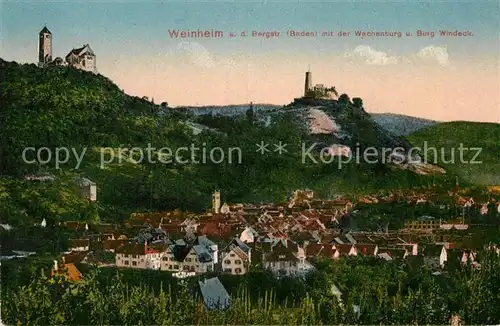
{"x": 75, "y": 243}
{"x": 134, "y": 249}
{"x": 366, "y": 249}
{"x": 344, "y": 249}
{"x": 74, "y": 257}
{"x": 69, "y": 270}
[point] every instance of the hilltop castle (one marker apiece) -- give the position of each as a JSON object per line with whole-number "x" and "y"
{"x": 82, "y": 58}
{"x": 319, "y": 90}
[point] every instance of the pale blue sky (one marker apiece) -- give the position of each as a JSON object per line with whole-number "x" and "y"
{"x": 135, "y": 27}
{"x": 439, "y": 78}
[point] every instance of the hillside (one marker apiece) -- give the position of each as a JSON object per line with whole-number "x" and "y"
{"x": 88, "y": 114}
{"x": 401, "y": 125}
{"x": 447, "y": 138}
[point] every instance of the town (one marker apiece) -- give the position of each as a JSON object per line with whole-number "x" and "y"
{"x": 286, "y": 238}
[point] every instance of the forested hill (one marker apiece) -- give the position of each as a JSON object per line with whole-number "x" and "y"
{"x": 58, "y": 107}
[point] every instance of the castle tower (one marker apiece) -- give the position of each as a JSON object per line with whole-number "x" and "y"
{"x": 216, "y": 202}
{"x": 44, "y": 47}
{"x": 308, "y": 83}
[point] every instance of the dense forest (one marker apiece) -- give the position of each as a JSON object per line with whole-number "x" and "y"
{"x": 64, "y": 107}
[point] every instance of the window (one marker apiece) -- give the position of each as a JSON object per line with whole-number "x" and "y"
{"x": 165, "y": 258}
{"x": 231, "y": 255}
{"x": 228, "y": 270}
{"x": 188, "y": 260}
{"x": 126, "y": 262}
{"x": 134, "y": 256}
{"x": 169, "y": 267}
{"x": 134, "y": 263}
{"x": 126, "y": 255}
{"x": 237, "y": 270}
{"x": 176, "y": 266}
{"x": 227, "y": 262}
{"x": 237, "y": 262}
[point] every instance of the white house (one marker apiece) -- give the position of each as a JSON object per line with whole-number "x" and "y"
{"x": 82, "y": 58}
{"x": 237, "y": 258}
{"x": 78, "y": 244}
{"x": 135, "y": 255}
{"x": 88, "y": 189}
{"x": 435, "y": 255}
{"x": 287, "y": 259}
{"x": 249, "y": 235}
{"x": 187, "y": 258}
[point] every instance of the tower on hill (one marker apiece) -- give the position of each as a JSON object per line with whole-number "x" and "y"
{"x": 44, "y": 47}
{"x": 308, "y": 83}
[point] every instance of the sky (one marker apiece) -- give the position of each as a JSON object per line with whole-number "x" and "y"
{"x": 441, "y": 78}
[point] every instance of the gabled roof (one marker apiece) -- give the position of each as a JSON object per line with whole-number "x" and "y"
{"x": 74, "y": 257}
{"x": 366, "y": 249}
{"x": 78, "y": 51}
{"x": 214, "y": 294}
{"x": 45, "y": 30}
{"x": 242, "y": 246}
{"x": 432, "y": 250}
{"x": 203, "y": 254}
{"x": 134, "y": 249}
{"x": 68, "y": 270}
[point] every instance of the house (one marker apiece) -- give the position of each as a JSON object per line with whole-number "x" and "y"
{"x": 68, "y": 271}
{"x": 237, "y": 258}
{"x": 152, "y": 235}
{"x": 286, "y": 258}
{"x": 462, "y": 256}
{"x": 393, "y": 253}
{"x": 88, "y": 189}
{"x": 320, "y": 250}
{"x": 194, "y": 258}
{"x": 82, "y": 58}
{"x": 343, "y": 250}
{"x": 136, "y": 255}
{"x": 435, "y": 255}
{"x": 214, "y": 294}
{"x": 211, "y": 246}
{"x": 111, "y": 245}
{"x": 78, "y": 244}
{"x": 336, "y": 292}
{"x": 366, "y": 249}
{"x": 249, "y": 235}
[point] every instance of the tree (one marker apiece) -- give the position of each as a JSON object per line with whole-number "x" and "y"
{"x": 344, "y": 99}
{"x": 358, "y": 102}
{"x": 250, "y": 114}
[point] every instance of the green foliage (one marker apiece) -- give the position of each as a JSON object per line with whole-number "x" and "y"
{"x": 65, "y": 107}
{"x": 344, "y": 99}
{"x": 385, "y": 292}
{"x": 441, "y": 144}
{"x": 357, "y": 102}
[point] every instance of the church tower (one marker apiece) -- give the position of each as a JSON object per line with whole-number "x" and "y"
{"x": 44, "y": 47}
{"x": 308, "y": 83}
{"x": 216, "y": 202}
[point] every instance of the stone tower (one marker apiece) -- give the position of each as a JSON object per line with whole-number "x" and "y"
{"x": 308, "y": 83}
{"x": 44, "y": 47}
{"x": 216, "y": 202}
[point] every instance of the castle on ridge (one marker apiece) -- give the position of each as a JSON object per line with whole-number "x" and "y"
{"x": 318, "y": 90}
{"x": 81, "y": 58}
